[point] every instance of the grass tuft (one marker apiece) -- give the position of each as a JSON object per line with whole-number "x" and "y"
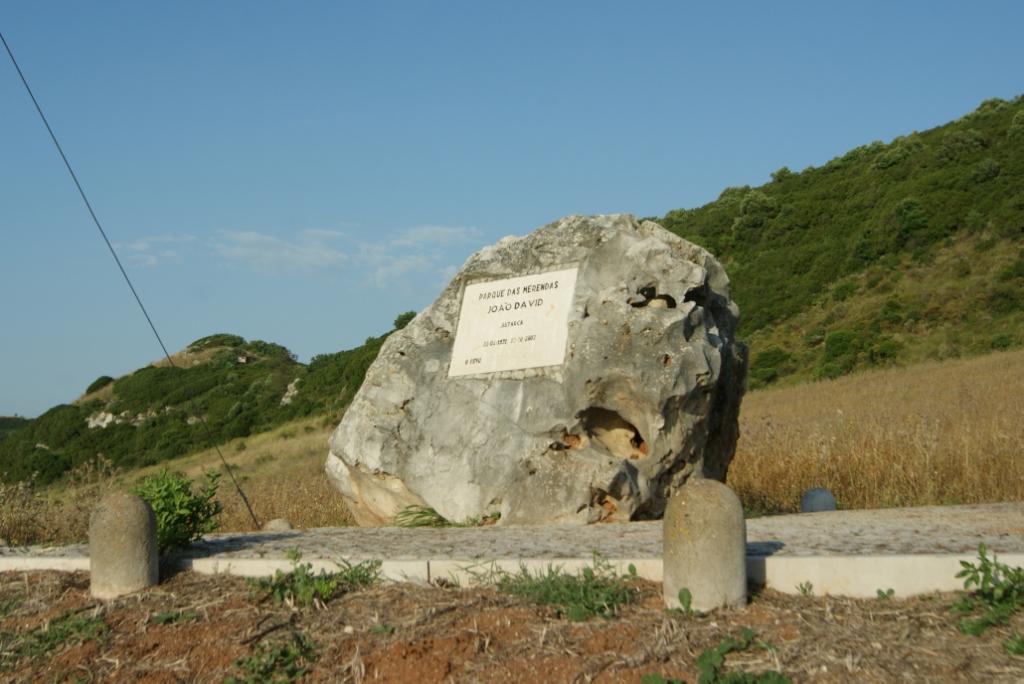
{"x": 594, "y": 591}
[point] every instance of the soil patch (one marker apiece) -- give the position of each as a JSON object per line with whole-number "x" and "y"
{"x": 200, "y": 628}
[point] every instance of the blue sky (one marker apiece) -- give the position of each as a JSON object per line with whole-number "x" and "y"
{"x": 303, "y": 172}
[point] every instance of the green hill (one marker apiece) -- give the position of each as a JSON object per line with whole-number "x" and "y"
{"x": 239, "y": 387}
{"x": 892, "y": 253}
{"x": 9, "y": 424}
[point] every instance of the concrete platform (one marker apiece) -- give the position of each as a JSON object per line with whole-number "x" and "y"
{"x": 849, "y": 553}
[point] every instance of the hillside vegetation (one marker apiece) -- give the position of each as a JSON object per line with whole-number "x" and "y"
{"x": 9, "y": 424}
{"x": 891, "y": 253}
{"x": 238, "y": 387}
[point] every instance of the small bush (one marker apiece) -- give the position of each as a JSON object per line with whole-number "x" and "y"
{"x": 985, "y": 170}
{"x": 182, "y": 515}
{"x": 844, "y": 291}
{"x": 998, "y": 590}
{"x": 1003, "y": 341}
{"x": 840, "y": 343}
{"x": 99, "y": 383}
{"x": 404, "y": 319}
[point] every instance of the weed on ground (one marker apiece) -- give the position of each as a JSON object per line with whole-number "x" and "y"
{"x": 215, "y": 627}
{"x": 593, "y": 591}
{"x": 303, "y": 588}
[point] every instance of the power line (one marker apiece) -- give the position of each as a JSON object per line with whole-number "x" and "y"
{"x": 117, "y": 260}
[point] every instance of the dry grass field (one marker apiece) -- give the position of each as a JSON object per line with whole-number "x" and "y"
{"x": 946, "y": 432}
{"x": 938, "y": 433}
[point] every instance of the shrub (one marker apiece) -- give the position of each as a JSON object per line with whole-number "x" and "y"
{"x": 1003, "y": 341}
{"x": 1016, "y": 129}
{"x": 998, "y": 591}
{"x": 844, "y": 291}
{"x": 961, "y": 143}
{"x": 839, "y": 343}
{"x": 1013, "y": 271}
{"x": 768, "y": 365}
{"x": 182, "y": 514}
{"x": 404, "y": 319}
{"x": 985, "y": 170}
{"x": 99, "y": 383}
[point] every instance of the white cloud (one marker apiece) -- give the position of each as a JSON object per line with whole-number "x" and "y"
{"x": 150, "y": 251}
{"x": 422, "y": 251}
{"x": 309, "y": 250}
{"x": 418, "y": 236}
{"x": 413, "y": 257}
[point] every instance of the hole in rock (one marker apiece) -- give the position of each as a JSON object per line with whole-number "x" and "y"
{"x": 618, "y": 436}
{"x": 647, "y": 296}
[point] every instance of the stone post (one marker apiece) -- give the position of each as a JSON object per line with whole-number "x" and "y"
{"x": 705, "y": 547}
{"x": 122, "y": 546}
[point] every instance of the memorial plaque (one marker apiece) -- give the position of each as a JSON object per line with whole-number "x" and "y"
{"x": 513, "y": 323}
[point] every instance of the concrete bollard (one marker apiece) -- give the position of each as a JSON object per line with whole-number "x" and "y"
{"x": 816, "y": 500}
{"x": 705, "y": 547}
{"x": 122, "y": 547}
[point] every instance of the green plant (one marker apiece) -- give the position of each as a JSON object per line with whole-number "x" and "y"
{"x": 182, "y": 514}
{"x": 998, "y": 590}
{"x": 66, "y": 630}
{"x": 282, "y": 662}
{"x": 1014, "y": 644}
{"x": 805, "y": 589}
{"x": 419, "y": 516}
{"x": 404, "y": 319}
{"x": 685, "y": 601}
{"x": 711, "y": 662}
{"x": 383, "y": 629}
{"x": 8, "y": 606}
{"x": 658, "y": 679}
{"x": 593, "y": 591}
{"x": 885, "y": 595}
{"x": 170, "y": 617}
{"x": 301, "y": 587}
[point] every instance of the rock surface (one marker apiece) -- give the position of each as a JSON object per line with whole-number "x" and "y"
{"x": 647, "y": 395}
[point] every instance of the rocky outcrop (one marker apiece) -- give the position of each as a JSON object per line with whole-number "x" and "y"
{"x": 646, "y": 396}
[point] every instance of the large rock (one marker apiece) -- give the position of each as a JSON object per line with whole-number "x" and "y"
{"x": 648, "y": 392}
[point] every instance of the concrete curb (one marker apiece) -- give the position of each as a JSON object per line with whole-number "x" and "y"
{"x": 852, "y": 576}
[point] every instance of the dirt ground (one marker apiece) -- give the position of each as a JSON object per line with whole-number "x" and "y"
{"x": 201, "y": 628}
